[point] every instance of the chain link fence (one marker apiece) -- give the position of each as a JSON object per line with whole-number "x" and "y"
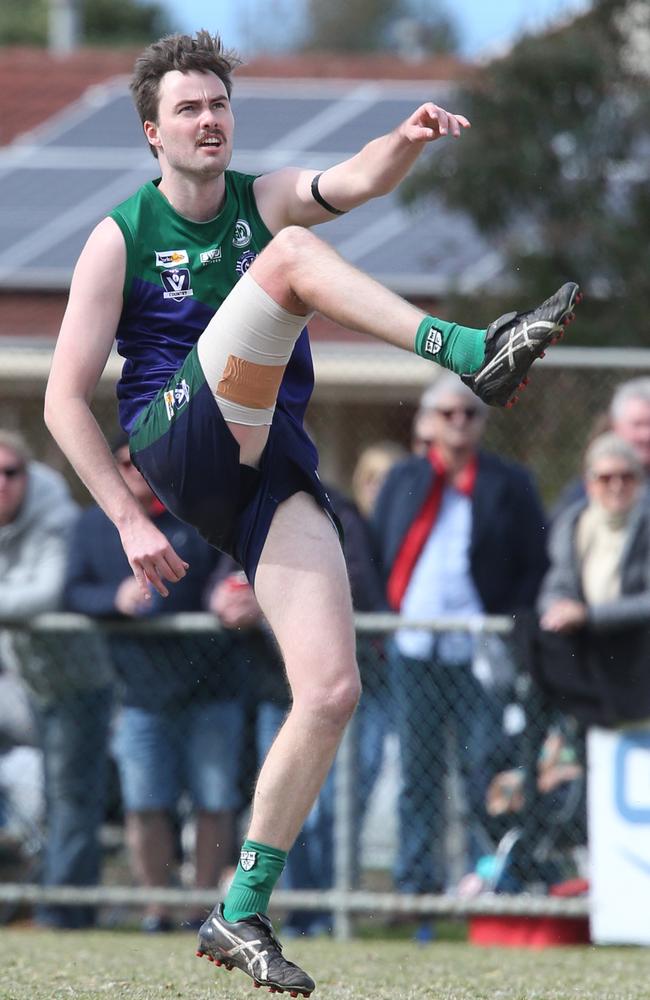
{"x": 456, "y": 790}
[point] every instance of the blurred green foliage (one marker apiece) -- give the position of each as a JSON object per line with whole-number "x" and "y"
{"x": 418, "y": 26}
{"x": 103, "y": 22}
{"x": 554, "y": 170}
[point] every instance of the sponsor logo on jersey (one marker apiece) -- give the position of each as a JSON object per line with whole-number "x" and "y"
{"x": 245, "y": 262}
{"x": 177, "y": 283}
{"x": 248, "y": 860}
{"x": 211, "y": 256}
{"x": 177, "y": 397}
{"x": 243, "y": 234}
{"x": 433, "y": 341}
{"x": 171, "y": 258}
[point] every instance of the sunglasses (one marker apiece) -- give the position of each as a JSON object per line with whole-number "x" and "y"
{"x": 469, "y": 412}
{"x": 607, "y": 478}
{"x": 12, "y": 471}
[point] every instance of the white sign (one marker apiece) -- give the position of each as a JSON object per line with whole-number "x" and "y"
{"x": 619, "y": 834}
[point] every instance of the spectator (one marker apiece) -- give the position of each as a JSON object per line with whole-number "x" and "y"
{"x": 310, "y": 861}
{"x": 372, "y": 467}
{"x": 628, "y": 416}
{"x": 21, "y": 777}
{"x": 591, "y": 653}
{"x": 537, "y": 810}
{"x": 461, "y": 533}
{"x": 424, "y": 423}
{"x": 180, "y": 723}
{"x": 36, "y": 517}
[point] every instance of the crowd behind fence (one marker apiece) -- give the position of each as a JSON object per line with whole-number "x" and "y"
{"x": 485, "y": 816}
{"x": 500, "y": 795}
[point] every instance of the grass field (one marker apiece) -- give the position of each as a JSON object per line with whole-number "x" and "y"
{"x": 40, "y": 965}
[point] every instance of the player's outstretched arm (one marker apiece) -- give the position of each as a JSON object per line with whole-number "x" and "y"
{"x": 285, "y": 197}
{"x": 81, "y": 353}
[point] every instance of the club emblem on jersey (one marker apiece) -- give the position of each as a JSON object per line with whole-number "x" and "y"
{"x": 177, "y": 283}
{"x": 211, "y": 256}
{"x": 177, "y": 397}
{"x": 248, "y": 860}
{"x": 245, "y": 262}
{"x": 171, "y": 258}
{"x": 243, "y": 234}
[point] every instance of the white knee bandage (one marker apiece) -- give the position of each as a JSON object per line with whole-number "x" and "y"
{"x": 244, "y": 351}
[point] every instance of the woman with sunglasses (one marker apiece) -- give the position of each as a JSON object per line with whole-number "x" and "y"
{"x": 594, "y": 602}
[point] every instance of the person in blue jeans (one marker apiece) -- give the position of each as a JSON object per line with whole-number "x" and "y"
{"x": 179, "y": 724}
{"x": 460, "y": 533}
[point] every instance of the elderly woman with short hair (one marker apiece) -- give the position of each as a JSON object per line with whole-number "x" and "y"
{"x": 594, "y": 603}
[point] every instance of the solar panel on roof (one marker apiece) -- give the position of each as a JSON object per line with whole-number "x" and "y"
{"x": 115, "y": 123}
{"x": 60, "y": 181}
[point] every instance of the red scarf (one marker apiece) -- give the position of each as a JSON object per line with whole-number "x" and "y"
{"x": 415, "y": 538}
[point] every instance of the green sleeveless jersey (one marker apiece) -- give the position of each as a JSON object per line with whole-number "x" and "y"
{"x": 178, "y": 273}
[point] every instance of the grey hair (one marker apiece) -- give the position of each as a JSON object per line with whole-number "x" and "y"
{"x": 610, "y": 445}
{"x": 449, "y": 384}
{"x": 634, "y": 388}
{"x": 15, "y": 442}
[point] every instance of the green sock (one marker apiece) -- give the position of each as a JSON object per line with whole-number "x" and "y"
{"x": 259, "y": 868}
{"x": 459, "y": 348}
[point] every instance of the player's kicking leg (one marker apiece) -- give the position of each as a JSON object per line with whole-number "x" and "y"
{"x": 303, "y": 274}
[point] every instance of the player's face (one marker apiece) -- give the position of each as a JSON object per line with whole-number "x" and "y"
{"x": 195, "y": 124}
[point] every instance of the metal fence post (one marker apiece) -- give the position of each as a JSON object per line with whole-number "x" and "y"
{"x": 344, "y": 831}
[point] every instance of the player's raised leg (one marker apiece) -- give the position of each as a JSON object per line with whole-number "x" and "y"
{"x": 303, "y": 274}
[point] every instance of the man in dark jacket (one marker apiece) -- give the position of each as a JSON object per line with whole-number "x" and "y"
{"x": 180, "y": 722}
{"x": 460, "y": 533}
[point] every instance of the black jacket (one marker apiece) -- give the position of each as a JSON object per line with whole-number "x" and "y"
{"x": 507, "y": 546}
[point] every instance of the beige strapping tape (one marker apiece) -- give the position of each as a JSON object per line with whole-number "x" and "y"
{"x": 250, "y": 384}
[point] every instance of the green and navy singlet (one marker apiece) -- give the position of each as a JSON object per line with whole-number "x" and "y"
{"x": 178, "y": 273}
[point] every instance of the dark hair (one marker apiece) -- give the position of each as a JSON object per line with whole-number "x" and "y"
{"x": 202, "y": 51}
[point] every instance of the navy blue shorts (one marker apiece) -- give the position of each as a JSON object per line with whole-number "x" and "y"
{"x": 182, "y": 446}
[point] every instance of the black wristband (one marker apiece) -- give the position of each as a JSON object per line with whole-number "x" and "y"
{"x": 321, "y": 201}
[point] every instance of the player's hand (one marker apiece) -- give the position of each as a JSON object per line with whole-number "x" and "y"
{"x": 431, "y": 122}
{"x": 565, "y": 615}
{"x": 234, "y": 603}
{"x": 151, "y": 557}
